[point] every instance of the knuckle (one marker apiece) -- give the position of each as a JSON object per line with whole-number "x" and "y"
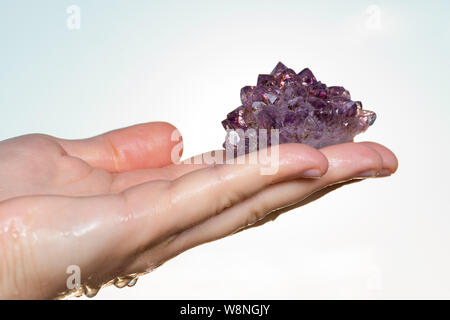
{"x": 171, "y": 192}
{"x": 219, "y": 171}
{"x": 229, "y": 198}
{"x": 38, "y": 141}
{"x": 226, "y": 194}
{"x": 257, "y": 212}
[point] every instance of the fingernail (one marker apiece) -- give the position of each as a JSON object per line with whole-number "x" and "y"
{"x": 312, "y": 173}
{"x": 384, "y": 173}
{"x": 368, "y": 174}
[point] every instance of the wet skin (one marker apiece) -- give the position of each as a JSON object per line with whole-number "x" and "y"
{"x": 115, "y": 204}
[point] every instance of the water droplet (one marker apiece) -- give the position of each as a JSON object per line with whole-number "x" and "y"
{"x": 121, "y": 282}
{"x": 91, "y": 292}
{"x": 79, "y": 292}
{"x": 132, "y": 282}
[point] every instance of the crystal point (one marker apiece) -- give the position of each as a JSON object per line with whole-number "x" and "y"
{"x": 280, "y": 67}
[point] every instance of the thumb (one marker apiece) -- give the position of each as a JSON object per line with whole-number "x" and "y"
{"x": 147, "y": 145}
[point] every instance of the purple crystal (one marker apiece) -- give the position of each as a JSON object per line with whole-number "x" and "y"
{"x": 303, "y": 109}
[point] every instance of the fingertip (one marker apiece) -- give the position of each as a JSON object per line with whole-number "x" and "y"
{"x": 390, "y": 160}
{"x": 358, "y": 157}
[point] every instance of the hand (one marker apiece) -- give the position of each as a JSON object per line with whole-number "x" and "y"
{"x": 116, "y": 204}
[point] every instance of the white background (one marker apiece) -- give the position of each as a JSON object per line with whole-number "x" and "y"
{"x": 185, "y": 62}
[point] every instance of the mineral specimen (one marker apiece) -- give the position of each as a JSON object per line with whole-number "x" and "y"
{"x": 303, "y": 109}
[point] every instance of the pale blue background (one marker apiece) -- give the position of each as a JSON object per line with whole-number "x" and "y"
{"x": 185, "y": 61}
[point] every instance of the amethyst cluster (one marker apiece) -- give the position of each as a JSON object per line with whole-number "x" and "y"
{"x": 303, "y": 109}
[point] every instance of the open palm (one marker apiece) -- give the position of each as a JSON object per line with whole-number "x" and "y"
{"x": 116, "y": 204}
